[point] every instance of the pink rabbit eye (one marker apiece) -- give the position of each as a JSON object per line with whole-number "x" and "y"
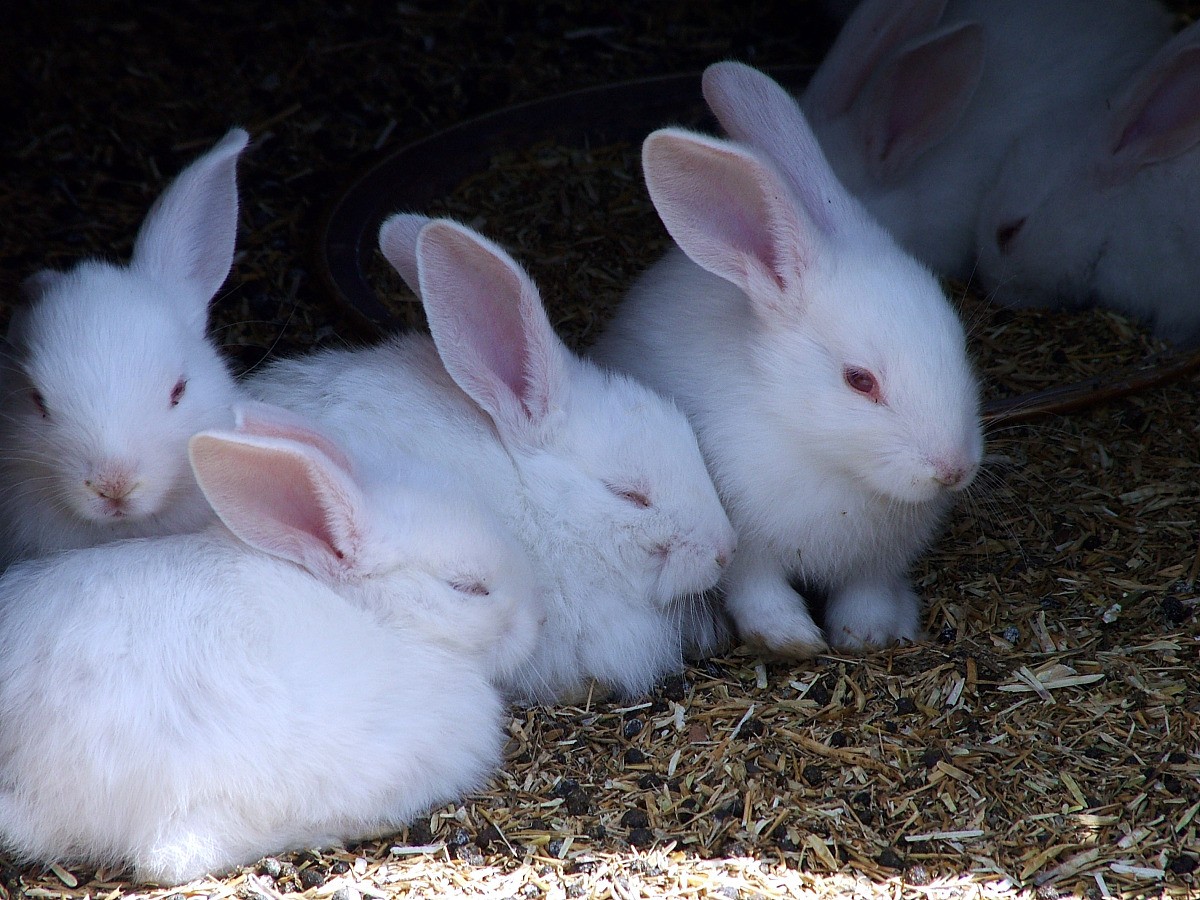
{"x": 1006, "y": 232}
{"x": 177, "y": 391}
{"x": 40, "y": 402}
{"x": 862, "y": 381}
{"x": 631, "y": 495}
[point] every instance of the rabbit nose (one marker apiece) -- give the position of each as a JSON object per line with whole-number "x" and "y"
{"x": 951, "y": 475}
{"x": 722, "y": 559}
{"x": 1006, "y": 232}
{"x": 114, "y": 486}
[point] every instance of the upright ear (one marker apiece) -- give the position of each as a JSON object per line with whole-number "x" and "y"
{"x": 39, "y": 284}
{"x": 732, "y": 215}
{"x": 1157, "y": 117}
{"x": 918, "y": 96}
{"x": 284, "y": 497}
{"x": 398, "y": 242}
{"x": 755, "y": 109}
{"x": 491, "y": 330}
{"x": 189, "y": 233}
{"x": 875, "y": 30}
{"x": 30, "y": 292}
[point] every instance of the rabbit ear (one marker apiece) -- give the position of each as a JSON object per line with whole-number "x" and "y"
{"x": 284, "y": 497}
{"x": 1158, "y": 117}
{"x": 266, "y": 420}
{"x": 871, "y": 34}
{"x": 31, "y": 290}
{"x": 398, "y": 242}
{"x": 755, "y": 109}
{"x": 732, "y": 215}
{"x": 491, "y": 329}
{"x": 38, "y": 284}
{"x": 919, "y": 96}
{"x": 191, "y": 230}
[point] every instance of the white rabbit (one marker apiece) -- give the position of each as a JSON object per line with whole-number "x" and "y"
{"x": 825, "y": 375}
{"x": 917, "y": 100}
{"x": 109, "y": 371}
{"x": 1099, "y": 204}
{"x": 601, "y": 479}
{"x": 305, "y": 673}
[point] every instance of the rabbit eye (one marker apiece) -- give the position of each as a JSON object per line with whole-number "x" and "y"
{"x": 473, "y": 587}
{"x": 862, "y": 381}
{"x": 632, "y": 495}
{"x": 1006, "y": 232}
{"x": 40, "y": 402}
{"x": 177, "y": 391}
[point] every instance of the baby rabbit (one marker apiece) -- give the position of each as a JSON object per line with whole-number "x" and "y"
{"x": 109, "y": 371}
{"x": 822, "y": 368}
{"x": 1099, "y": 204}
{"x": 600, "y": 479}
{"x": 315, "y": 669}
{"x": 917, "y": 100}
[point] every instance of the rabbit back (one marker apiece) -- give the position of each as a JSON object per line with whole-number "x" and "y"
{"x": 179, "y": 717}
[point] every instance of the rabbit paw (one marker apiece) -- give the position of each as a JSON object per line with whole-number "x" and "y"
{"x": 873, "y": 614}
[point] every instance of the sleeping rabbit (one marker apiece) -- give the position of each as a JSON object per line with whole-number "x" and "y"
{"x": 917, "y": 101}
{"x": 600, "y": 479}
{"x": 1099, "y": 205}
{"x": 314, "y": 668}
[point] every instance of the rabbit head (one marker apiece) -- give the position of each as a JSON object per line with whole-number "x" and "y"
{"x": 1098, "y": 205}
{"x": 611, "y": 475}
{"x": 110, "y": 371}
{"x": 857, "y": 354}
{"x": 410, "y": 544}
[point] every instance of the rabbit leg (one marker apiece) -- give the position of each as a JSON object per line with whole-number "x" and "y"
{"x": 873, "y": 612}
{"x": 769, "y": 615}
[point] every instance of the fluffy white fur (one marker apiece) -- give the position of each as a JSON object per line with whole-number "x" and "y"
{"x": 1098, "y": 204}
{"x": 109, "y": 371}
{"x": 189, "y": 703}
{"x": 784, "y": 289}
{"x": 917, "y": 100}
{"x": 600, "y": 479}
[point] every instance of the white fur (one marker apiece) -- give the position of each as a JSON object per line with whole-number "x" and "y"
{"x": 565, "y": 452}
{"x": 317, "y": 671}
{"x": 1099, "y": 204}
{"x": 92, "y": 444}
{"x": 789, "y": 283}
{"x": 917, "y": 101}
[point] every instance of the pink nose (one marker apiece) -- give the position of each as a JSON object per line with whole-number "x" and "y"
{"x": 950, "y": 475}
{"x": 111, "y": 485}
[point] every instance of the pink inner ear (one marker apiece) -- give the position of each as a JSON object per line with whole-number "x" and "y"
{"x": 288, "y": 502}
{"x": 277, "y": 499}
{"x": 487, "y": 320}
{"x": 493, "y": 315}
{"x": 919, "y": 98}
{"x": 873, "y": 31}
{"x": 1167, "y": 120}
{"x": 718, "y": 207}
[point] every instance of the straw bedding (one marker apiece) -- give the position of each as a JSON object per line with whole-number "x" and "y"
{"x": 1042, "y": 742}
